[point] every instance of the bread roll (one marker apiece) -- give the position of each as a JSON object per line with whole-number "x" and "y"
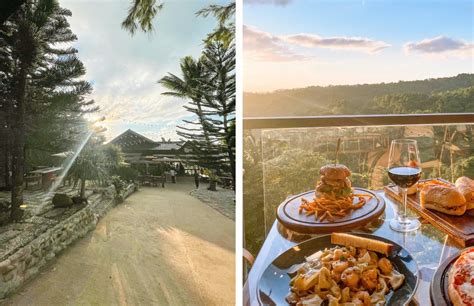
{"x": 466, "y": 186}
{"x": 361, "y": 242}
{"x": 444, "y": 199}
{"x": 443, "y": 195}
{"x": 455, "y": 211}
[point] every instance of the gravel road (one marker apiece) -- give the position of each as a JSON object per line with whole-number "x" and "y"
{"x": 159, "y": 247}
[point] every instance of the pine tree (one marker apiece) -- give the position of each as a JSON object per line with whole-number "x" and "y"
{"x": 199, "y": 132}
{"x": 219, "y": 60}
{"x": 209, "y": 84}
{"x": 44, "y": 101}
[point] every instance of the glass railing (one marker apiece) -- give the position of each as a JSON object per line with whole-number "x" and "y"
{"x": 282, "y": 156}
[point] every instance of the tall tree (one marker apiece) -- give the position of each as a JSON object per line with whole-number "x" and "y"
{"x": 197, "y": 132}
{"x": 219, "y": 90}
{"x": 41, "y": 82}
{"x": 225, "y": 30}
{"x": 209, "y": 83}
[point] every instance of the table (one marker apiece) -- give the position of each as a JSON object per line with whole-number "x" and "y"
{"x": 47, "y": 175}
{"x": 427, "y": 245}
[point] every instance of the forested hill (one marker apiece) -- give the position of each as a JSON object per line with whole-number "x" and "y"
{"x": 401, "y": 97}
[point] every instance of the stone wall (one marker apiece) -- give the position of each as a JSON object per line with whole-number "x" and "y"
{"x": 26, "y": 262}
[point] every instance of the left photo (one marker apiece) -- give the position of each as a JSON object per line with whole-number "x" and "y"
{"x": 117, "y": 152}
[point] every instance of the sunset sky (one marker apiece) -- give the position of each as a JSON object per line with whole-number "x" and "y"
{"x": 124, "y": 70}
{"x": 299, "y": 43}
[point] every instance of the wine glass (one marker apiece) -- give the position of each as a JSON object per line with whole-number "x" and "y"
{"x": 404, "y": 170}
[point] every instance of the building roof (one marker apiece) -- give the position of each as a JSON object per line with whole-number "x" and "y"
{"x": 168, "y": 146}
{"x": 130, "y": 137}
{"x": 131, "y": 140}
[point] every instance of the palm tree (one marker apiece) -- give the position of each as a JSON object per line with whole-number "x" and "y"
{"x": 141, "y": 15}
{"x": 189, "y": 87}
{"x": 199, "y": 133}
{"x": 95, "y": 163}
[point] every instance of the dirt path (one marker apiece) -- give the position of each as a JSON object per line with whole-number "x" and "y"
{"x": 159, "y": 247}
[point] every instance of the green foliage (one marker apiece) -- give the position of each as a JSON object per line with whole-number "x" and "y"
{"x": 42, "y": 98}
{"x": 112, "y": 157}
{"x": 118, "y": 183}
{"x": 96, "y": 162}
{"x": 253, "y": 198}
{"x": 464, "y": 167}
{"x": 127, "y": 173}
{"x": 458, "y": 101}
{"x": 225, "y": 31}
{"x": 209, "y": 86}
{"x": 140, "y": 15}
{"x": 451, "y": 94}
{"x": 292, "y": 172}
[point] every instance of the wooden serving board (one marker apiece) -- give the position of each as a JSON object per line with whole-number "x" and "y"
{"x": 460, "y": 228}
{"x": 289, "y": 216}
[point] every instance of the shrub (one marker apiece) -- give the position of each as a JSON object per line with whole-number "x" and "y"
{"x": 126, "y": 173}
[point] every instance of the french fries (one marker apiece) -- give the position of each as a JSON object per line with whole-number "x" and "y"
{"x": 330, "y": 208}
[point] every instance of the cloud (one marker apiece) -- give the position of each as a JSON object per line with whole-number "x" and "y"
{"x": 348, "y": 43}
{"x": 441, "y": 45}
{"x": 274, "y": 2}
{"x": 263, "y": 46}
{"x": 125, "y": 69}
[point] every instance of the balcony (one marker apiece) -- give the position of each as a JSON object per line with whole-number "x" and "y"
{"x": 282, "y": 157}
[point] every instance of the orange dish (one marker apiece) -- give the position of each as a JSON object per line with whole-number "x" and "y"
{"x": 324, "y": 207}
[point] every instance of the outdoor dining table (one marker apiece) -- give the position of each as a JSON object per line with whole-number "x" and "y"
{"x": 47, "y": 175}
{"x": 428, "y": 245}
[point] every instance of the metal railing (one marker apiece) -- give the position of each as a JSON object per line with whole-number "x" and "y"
{"x": 250, "y": 123}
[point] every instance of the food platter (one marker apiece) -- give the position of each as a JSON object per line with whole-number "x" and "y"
{"x": 439, "y": 285}
{"x": 459, "y": 228}
{"x": 289, "y": 216}
{"x": 273, "y": 285}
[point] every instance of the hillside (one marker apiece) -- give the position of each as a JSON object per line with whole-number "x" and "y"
{"x": 353, "y": 99}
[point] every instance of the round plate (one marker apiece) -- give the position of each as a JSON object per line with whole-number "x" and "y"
{"x": 439, "y": 285}
{"x": 273, "y": 285}
{"x": 288, "y": 215}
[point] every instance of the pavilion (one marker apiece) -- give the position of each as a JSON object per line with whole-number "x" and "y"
{"x": 138, "y": 149}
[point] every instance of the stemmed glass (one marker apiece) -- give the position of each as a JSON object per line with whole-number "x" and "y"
{"x": 404, "y": 170}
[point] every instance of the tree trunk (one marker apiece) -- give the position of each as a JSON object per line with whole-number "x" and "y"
{"x": 83, "y": 189}
{"x": 18, "y": 146}
{"x": 229, "y": 152}
{"x": 7, "y": 165}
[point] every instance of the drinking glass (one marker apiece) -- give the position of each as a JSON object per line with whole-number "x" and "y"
{"x": 405, "y": 171}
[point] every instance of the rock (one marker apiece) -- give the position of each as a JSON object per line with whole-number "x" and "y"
{"x": 62, "y": 200}
{"x": 79, "y": 200}
{"x": 4, "y": 266}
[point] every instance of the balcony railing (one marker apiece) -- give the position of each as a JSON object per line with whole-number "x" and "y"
{"x": 356, "y": 120}
{"x": 282, "y": 155}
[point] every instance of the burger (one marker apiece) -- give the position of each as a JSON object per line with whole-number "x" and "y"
{"x": 334, "y": 181}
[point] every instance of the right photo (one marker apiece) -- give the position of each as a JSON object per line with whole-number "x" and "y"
{"x": 358, "y": 152}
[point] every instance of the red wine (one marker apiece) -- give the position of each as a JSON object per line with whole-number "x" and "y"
{"x": 404, "y": 176}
